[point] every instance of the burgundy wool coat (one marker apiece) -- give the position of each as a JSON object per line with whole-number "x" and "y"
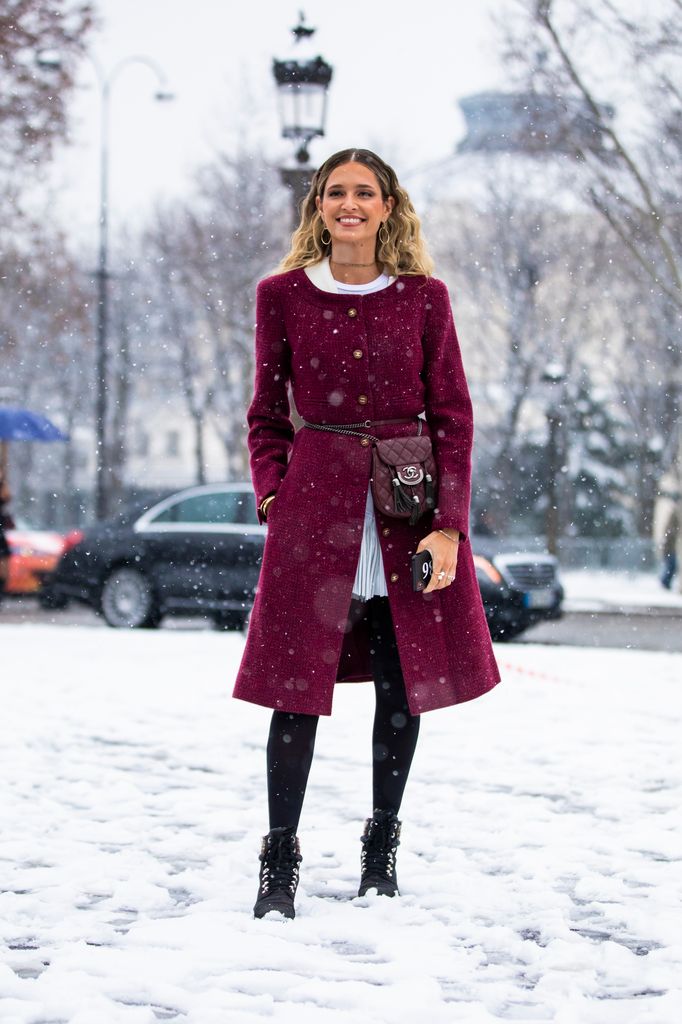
{"x": 390, "y": 353}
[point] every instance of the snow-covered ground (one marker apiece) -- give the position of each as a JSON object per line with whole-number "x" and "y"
{"x": 593, "y": 590}
{"x": 539, "y": 865}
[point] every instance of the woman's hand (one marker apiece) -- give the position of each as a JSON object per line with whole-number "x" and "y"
{"x": 444, "y": 551}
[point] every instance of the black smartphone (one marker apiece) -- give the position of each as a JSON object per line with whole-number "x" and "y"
{"x": 422, "y": 568}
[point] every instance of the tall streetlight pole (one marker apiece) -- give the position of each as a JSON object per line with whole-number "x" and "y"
{"x": 51, "y": 59}
{"x": 302, "y": 85}
{"x": 102, "y": 450}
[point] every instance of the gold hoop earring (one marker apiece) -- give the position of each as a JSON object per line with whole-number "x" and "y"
{"x": 325, "y": 241}
{"x": 385, "y": 230}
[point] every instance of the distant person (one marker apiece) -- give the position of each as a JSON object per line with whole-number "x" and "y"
{"x": 666, "y": 529}
{"x": 6, "y": 523}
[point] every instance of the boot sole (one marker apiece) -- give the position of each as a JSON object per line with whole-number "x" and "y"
{"x": 381, "y": 890}
{"x": 288, "y": 912}
{"x": 280, "y": 902}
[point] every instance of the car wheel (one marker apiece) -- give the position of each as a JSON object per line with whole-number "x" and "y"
{"x": 230, "y": 620}
{"x": 127, "y": 600}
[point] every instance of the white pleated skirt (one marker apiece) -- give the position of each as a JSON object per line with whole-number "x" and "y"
{"x": 370, "y": 579}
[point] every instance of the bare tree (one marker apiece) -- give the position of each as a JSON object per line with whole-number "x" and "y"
{"x": 44, "y": 334}
{"x": 242, "y": 232}
{"x": 630, "y": 180}
{"x": 176, "y": 318}
{"x": 524, "y": 271}
{"x": 208, "y": 256}
{"x": 634, "y": 180}
{"x": 33, "y": 101}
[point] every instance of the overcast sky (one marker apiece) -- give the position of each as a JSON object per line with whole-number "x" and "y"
{"x": 399, "y": 69}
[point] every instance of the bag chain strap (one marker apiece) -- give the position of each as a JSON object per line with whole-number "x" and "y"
{"x": 354, "y": 433}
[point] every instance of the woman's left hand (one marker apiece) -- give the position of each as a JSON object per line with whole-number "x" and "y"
{"x": 444, "y": 552}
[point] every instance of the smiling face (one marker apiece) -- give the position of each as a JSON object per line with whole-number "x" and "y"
{"x": 352, "y": 206}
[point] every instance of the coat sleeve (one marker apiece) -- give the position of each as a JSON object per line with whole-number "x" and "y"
{"x": 271, "y": 431}
{"x": 448, "y": 412}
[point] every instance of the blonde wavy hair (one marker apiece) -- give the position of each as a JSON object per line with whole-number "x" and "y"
{"x": 404, "y": 252}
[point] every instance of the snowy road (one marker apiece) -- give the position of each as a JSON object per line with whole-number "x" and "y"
{"x": 540, "y": 865}
{"x": 650, "y": 629}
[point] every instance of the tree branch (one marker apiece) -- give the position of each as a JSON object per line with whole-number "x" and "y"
{"x": 543, "y": 15}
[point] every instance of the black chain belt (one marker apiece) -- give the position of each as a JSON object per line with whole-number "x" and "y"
{"x": 343, "y": 428}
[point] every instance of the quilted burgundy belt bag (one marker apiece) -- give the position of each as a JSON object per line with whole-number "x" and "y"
{"x": 404, "y": 479}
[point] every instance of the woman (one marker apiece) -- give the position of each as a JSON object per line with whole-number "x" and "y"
{"x": 355, "y": 322}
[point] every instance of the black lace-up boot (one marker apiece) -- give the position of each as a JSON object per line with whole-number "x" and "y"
{"x": 280, "y": 856}
{"x": 380, "y": 842}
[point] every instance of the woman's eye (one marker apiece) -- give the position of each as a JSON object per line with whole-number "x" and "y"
{"x": 337, "y": 192}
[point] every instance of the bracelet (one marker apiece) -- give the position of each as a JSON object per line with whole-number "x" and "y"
{"x": 264, "y": 504}
{"x": 455, "y": 541}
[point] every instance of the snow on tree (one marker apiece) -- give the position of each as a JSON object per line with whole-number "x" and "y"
{"x": 633, "y": 102}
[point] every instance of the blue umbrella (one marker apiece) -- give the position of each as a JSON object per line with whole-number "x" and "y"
{"x": 22, "y": 425}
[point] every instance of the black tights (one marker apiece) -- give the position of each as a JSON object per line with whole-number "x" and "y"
{"x": 291, "y": 741}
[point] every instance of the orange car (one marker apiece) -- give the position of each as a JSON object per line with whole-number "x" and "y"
{"x": 34, "y": 553}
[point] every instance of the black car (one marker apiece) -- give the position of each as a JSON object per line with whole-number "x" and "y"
{"x": 198, "y": 552}
{"x": 194, "y": 552}
{"x": 518, "y": 589}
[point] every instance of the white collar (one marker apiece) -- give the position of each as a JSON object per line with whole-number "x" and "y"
{"x": 321, "y": 276}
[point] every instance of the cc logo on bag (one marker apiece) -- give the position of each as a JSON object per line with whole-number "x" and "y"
{"x": 410, "y": 474}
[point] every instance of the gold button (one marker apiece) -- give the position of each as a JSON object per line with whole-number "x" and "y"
{"x": 386, "y": 530}
{"x": 394, "y": 577}
{"x": 352, "y": 311}
{"x": 364, "y": 441}
{"x": 363, "y": 399}
{"x": 357, "y": 353}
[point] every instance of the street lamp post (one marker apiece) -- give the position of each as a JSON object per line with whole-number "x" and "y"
{"x": 553, "y": 379}
{"x": 51, "y": 59}
{"x": 302, "y": 85}
{"x": 102, "y": 450}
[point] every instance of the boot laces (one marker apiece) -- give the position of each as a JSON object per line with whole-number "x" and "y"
{"x": 280, "y": 858}
{"x": 379, "y": 846}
